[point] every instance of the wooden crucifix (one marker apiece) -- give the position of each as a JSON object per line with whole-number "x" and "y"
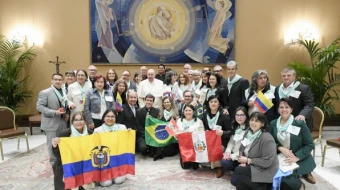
{"x": 57, "y": 63}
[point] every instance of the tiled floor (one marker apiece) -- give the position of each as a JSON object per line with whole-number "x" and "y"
{"x": 330, "y": 172}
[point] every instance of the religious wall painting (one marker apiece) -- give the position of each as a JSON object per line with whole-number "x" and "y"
{"x": 162, "y": 31}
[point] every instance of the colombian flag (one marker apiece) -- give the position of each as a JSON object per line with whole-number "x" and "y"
{"x": 156, "y": 134}
{"x": 119, "y": 103}
{"x": 262, "y": 102}
{"x": 97, "y": 157}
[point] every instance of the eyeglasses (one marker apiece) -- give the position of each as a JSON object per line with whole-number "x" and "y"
{"x": 216, "y": 71}
{"x": 78, "y": 120}
{"x": 110, "y": 117}
{"x": 126, "y": 75}
{"x": 187, "y": 96}
{"x": 240, "y": 115}
{"x": 58, "y": 80}
{"x": 80, "y": 75}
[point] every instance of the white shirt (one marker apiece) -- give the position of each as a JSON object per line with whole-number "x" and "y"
{"x": 155, "y": 88}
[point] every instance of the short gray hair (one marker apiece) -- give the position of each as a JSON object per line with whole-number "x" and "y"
{"x": 232, "y": 63}
{"x": 286, "y": 70}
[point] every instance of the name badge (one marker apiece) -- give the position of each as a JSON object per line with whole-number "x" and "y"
{"x": 293, "y": 130}
{"x": 244, "y": 142}
{"x": 76, "y": 92}
{"x": 295, "y": 94}
{"x": 109, "y": 98}
{"x": 270, "y": 95}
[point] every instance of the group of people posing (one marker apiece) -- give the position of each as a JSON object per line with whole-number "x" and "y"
{"x": 198, "y": 100}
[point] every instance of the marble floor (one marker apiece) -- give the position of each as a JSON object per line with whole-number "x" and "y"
{"x": 330, "y": 172}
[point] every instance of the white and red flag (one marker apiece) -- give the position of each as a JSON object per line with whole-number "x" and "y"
{"x": 200, "y": 146}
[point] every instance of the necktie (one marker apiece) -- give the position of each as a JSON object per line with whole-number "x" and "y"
{"x": 133, "y": 110}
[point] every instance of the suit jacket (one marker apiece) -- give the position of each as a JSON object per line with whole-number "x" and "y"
{"x": 263, "y": 157}
{"x": 236, "y": 95}
{"x": 303, "y": 105}
{"x": 48, "y": 103}
{"x": 141, "y": 116}
{"x": 222, "y": 94}
{"x": 223, "y": 121}
{"x": 160, "y": 77}
{"x": 127, "y": 117}
{"x": 74, "y": 96}
{"x": 301, "y": 145}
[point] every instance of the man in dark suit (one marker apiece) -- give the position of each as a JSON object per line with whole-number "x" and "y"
{"x": 219, "y": 70}
{"x": 126, "y": 77}
{"x": 52, "y": 105}
{"x": 302, "y": 99}
{"x": 236, "y": 87}
{"x": 141, "y": 116}
{"x": 128, "y": 116}
{"x": 161, "y": 72}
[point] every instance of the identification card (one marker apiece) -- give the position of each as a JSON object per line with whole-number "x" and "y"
{"x": 270, "y": 95}
{"x": 109, "y": 98}
{"x": 244, "y": 142}
{"x": 295, "y": 94}
{"x": 293, "y": 130}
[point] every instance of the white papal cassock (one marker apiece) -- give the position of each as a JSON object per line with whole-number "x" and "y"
{"x": 155, "y": 88}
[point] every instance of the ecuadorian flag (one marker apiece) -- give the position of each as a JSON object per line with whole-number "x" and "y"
{"x": 262, "y": 102}
{"x": 156, "y": 134}
{"x": 97, "y": 157}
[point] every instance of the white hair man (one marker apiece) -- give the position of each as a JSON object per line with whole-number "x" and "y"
{"x": 150, "y": 86}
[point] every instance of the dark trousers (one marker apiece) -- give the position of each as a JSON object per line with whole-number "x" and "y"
{"x": 58, "y": 177}
{"x": 141, "y": 145}
{"x": 241, "y": 178}
{"x": 230, "y": 164}
{"x": 291, "y": 182}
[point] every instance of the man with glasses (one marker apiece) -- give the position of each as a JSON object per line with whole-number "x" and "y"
{"x": 144, "y": 71}
{"x": 206, "y": 69}
{"x": 92, "y": 70}
{"x": 52, "y": 103}
{"x": 126, "y": 77}
{"x": 219, "y": 70}
{"x": 161, "y": 72}
{"x": 189, "y": 99}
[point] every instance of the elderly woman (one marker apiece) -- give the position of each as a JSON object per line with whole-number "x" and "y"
{"x": 240, "y": 125}
{"x": 214, "y": 119}
{"x": 260, "y": 83}
{"x": 258, "y": 159}
{"x": 189, "y": 123}
{"x": 120, "y": 89}
{"x": 294, "y": 143}
{"x": 97, "y": 102}
{"x": 77, "y": 129}
{"x": 111, "y": 78}
{"x": 77, "y": 92}
{"x": 110, "y": 125}
{"x": 196, "y": 82}
{"x": 215, "y": 88}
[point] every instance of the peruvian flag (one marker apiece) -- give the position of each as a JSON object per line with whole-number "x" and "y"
{"x": 200, "y": 146}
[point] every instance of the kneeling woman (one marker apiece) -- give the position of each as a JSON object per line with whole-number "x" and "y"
{"x": 258, "y": 159}
{"x": 295, "y": 142}
{"x": 77, "y": 129}
{"x": 189, "y": 123}
{"x": 110, "y": 125}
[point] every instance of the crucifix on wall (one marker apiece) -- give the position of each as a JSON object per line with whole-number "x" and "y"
{"x": 57, "y": 63}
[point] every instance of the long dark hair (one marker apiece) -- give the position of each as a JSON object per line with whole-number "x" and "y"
{"x": 261, "y": 118}
{"x": 253, "y": 85}
{"x": 234, "y": 123}
{"x": 208, "y": 107}
{"x": 218, "y": 80}
{"x": 193, "y": 109}
{"x": 108, "y": 111}
{"x": 168, "y": 77}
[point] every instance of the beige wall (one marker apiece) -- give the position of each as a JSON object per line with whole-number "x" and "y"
{"x": 260, "y": 29}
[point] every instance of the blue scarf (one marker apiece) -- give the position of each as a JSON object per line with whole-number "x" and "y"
{"x": 231, "y": 82}
{"x": 62, "y": 98}
{"x": 75, "y": 132}
{"x": 238, "y": 132}
{"x": 106, "y": 128}
{"x": 252, "y": 136}
{"x": 211, "y": 92}
{"x": 167, "y": 114}
{"x": 282, "y": 129}
{"x": 186, "y": 124}
{"x": 283, "y": 94}
{"x": 212, "y": 121}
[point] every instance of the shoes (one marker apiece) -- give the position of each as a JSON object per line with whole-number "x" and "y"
{"x": 219, "y": 172}
{"x": 195, "y": 166}
{"x": 309, "y": 178}
{"x": 158, "y": 157}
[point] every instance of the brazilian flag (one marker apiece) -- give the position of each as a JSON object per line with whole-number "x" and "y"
{"x": 155, "y": 133}
{"x": 199, "y": 111}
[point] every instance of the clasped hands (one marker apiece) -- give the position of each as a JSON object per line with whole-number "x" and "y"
{"x": 290, "y": 157}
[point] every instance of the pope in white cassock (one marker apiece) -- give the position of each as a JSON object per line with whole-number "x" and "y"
{"x": 150, "y": 86}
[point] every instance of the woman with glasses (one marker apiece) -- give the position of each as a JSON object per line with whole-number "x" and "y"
{"x": 240, "y": 125}
{"x": 111, "y": 78}
{"x": 215, "y": 88}
{"x": 70, "y": 78}
{"x": 110, "y": 125}
{"x": 77, "y": 92}
{"x": 295, "y": 144}
{"x": 189, "y": 123}
{"x": 97, "y": 102}
{"x": 214, "y": 119}
{"x": 77, "y": 129}
{"x": 260, "y": 84}
{"x": 257, "y": 156}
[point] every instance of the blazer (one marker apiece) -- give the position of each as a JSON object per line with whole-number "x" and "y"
{"x": 133, "y": 86}
{"x": 222, "y": 94}
{"x": 236, "y": 95}
{"x": 223, "y": 121}
{"x": 141, "y": 117}
{"x": 301, "y": 145}
{"x": 93, "y": 104}
{"x": 127, "y": 117}
{"x": 303, "y": 105}
{"x": 74, "y": 96}
{"x": 48, "y": 103}
{"x": 264, "y": 161}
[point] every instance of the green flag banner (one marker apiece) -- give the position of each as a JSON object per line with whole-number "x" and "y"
{"x": 156, "y": 134}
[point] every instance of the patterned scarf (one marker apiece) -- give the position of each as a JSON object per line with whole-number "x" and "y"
{"x": 186, "y": 124}
{"x": 252, "y": 136}
{"x": 231, "y": 82}
{"x": 75, "y": 132}
{"x": 283, "y": 129}
{"x": 238, "y": 132}
{"x": 212, "y": 121}
{"x": 106, "y": 128}
{"x": 62, "y": 98}
{"x": 286, "y": 94}
{"x": 82, "y": 90}
{"x": 167, "y": 114}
